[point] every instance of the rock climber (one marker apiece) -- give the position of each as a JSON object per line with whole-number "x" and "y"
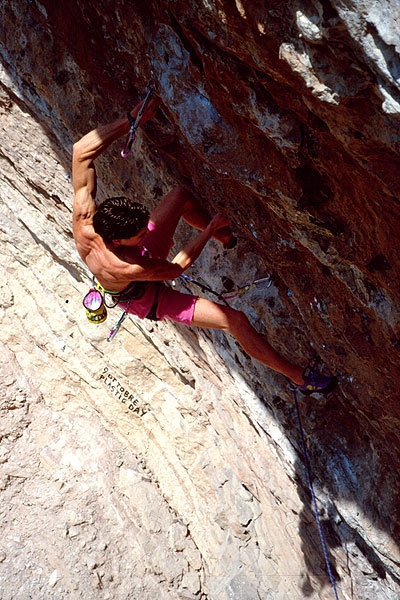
{"x": 126, "y": 249}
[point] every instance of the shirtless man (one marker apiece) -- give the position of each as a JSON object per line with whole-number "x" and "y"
{"x": 123, "y": 245}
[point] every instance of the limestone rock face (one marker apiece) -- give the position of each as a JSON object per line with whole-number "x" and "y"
{"x": 167, "y": 464}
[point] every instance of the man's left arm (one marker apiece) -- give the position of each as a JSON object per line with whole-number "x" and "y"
{"x": 84, "y": 179}
{"x": 86, "y": 150}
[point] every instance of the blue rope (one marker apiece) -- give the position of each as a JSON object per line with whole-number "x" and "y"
{"x": 314, "y": 500}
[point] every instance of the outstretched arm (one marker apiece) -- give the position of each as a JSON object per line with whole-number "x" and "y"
{"x": 86, "y": 150}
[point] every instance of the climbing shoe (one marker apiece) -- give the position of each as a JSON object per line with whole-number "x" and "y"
{"x": 314, "y": 382}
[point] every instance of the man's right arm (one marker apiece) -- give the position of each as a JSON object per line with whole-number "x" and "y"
{"x": 186, "y": 257}
{"x": 149, "y": 269}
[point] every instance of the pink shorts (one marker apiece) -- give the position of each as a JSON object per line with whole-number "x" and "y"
{"x": 172, "y": 304}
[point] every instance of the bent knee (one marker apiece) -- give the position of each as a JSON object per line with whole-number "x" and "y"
{"x": 179, "y": 189}
{"x": 177, "y": 192}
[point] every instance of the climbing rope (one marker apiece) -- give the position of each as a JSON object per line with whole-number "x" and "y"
{"x": 233, "y": 294}
{"x": 224, "y": 296}
{"x": 314, "y": 500}
{"x": 204, "y": 287}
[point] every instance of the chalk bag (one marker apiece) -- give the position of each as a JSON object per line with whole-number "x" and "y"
{"x": 96, "y": 311}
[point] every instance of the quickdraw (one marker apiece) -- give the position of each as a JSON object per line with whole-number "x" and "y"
{"x": 114, "y": 330}
{"x": 134, "y": 124}
{"x": 246, "y": 288}
{"x": 204, "y": 287}
{"x": 224, "y": 296}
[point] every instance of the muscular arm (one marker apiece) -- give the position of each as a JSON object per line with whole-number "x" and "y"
{"x": 156, "y": 269}
{"x": 85, "y": 151}
{"x": 116, "y": 271}
{"x": 186, "y": 257}
{"x": 83, "y": 171}
{"x": 161, "y": 270}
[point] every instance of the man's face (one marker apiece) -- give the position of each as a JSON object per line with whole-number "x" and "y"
{"x": 133, "y": 240}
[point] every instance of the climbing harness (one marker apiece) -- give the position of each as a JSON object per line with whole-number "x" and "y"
{"x": 151, "y": 315}
{"x": 314, "y": 500}
{"x": 96, "y": 309}
{"x": 96, "y": 305}
{"x": 134, "y": 124}
{"x": 98, "y": 299}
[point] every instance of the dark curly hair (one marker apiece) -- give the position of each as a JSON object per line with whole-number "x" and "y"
{"x": 119, "y": 218}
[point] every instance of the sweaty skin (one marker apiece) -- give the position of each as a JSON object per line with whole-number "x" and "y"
{"x": 117, "y": 264}
{"x": 113, "y": 264}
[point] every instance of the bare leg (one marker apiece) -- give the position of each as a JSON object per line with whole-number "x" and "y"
{"x": 179, "y": 202}
{"x": 210, "y": 315}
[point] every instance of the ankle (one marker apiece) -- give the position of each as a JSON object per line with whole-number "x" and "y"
{"x": 297, "y": 376}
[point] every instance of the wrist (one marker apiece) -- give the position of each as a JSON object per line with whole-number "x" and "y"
{"x": 209, "y": 229}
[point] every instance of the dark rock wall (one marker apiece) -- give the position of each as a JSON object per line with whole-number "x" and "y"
{"x": 285, "y": 116}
